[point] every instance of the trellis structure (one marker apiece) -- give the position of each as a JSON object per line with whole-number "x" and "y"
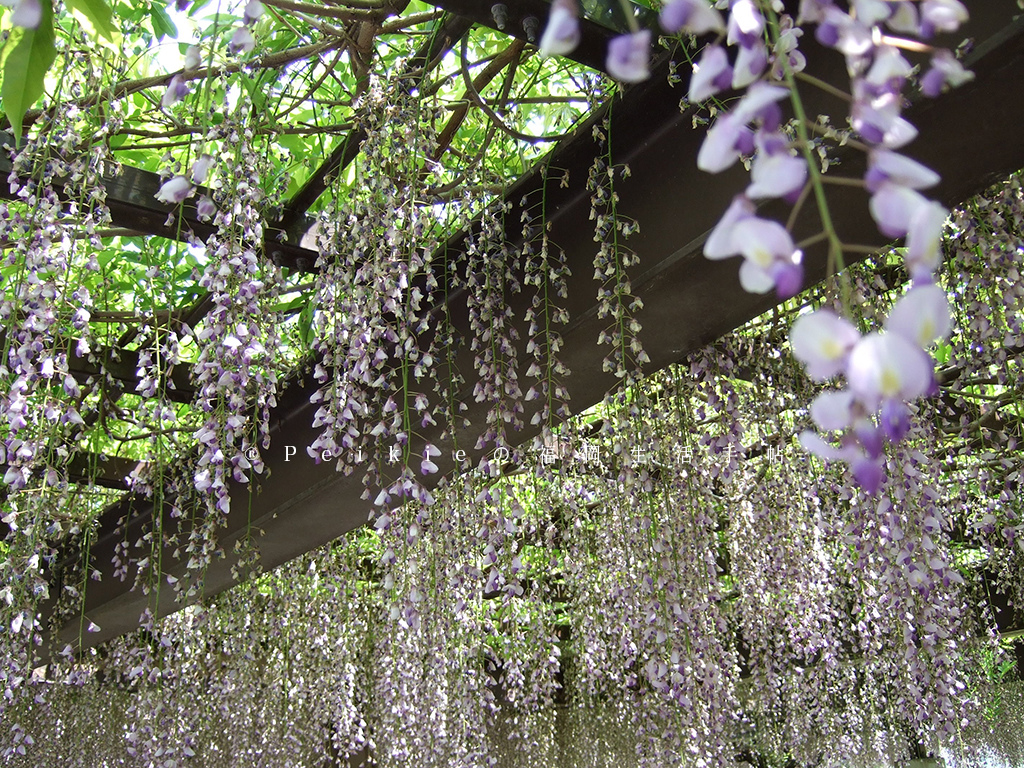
{"x": 299, "y": 503}
{"x": 688, "y": 301}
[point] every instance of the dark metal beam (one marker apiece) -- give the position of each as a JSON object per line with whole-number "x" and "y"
{"x": 689, "y": 301}
{"x": 123, "y": 364}
{"x": 92, "y": 468}
{"x": 131, "y": 199}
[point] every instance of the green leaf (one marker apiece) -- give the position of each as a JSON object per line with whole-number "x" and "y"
{"x": 161, "y": 22}
{"x": 95, "y": 14}
{"x": 31, "y": 53}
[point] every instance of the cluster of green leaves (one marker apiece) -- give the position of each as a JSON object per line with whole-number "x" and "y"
{"x": 28, "y": 54}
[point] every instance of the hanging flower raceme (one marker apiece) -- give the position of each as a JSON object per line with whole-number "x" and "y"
{"x": 884, "y": 371}
{"x": 234, "y": 376}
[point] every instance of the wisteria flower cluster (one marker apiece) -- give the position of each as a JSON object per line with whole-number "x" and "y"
{"x": 883, "y": 370}
{"x": 371, "y": 296}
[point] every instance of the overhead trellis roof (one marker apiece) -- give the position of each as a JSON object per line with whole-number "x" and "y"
{"x": 462, "y": 53}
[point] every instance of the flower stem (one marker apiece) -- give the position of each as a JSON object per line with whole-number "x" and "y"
{"x": 827, "y": 87}
{"x": 797, "y": 207}
{"x": 845, "y": 181}
{"x": 836, "y": 265}
{"x": 627, "y": 11}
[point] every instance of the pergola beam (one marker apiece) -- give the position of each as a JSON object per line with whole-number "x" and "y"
{"x": 131, "y": 200}
{"x": 525, "y": 20}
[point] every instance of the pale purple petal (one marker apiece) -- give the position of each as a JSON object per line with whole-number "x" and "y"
{"x": 718, "y": 151}
{"x": 833, "y": 410}
{"x": 242, "y": 41}
{"x": 811, "y": 11}
{"x": 904, "y": 19}
{"x": 870, "y": 437}
{"x": 205, "y": 208}
{"x": 844, "y": 33}
{"x": 888, "y": 66}
{"x": 942, "y": 16}
{"x": 893, "y": 206}
{"x": 922, "y": 316}
{"x": 750, "y": 64}
{"x": 762, "y": 241}
{"x": 629, "y": 57}
{"x": 710, "y": 75}
{"x": 758, "y": 97}
{"x": 562, "y": 32}
{"x": 754, "y": 278}
{"x": 945, "y": 69}
{"x": 719, "y": 244}
{"x": 924, "y": 240}
{"x": 201, "y": 168}
{"x": 899, "y": 133}
{"x": 27, "y": 14}
{"x": 876, "y": 117}
{"x": 813, "y": 443}
{"x": 174, "y": 190}
{"x": 871, "y": 11}
{"x": 894, "y": 419}
{"x": 192, "y": 58}
{"x": 746, "y": 24}
{"x": 888, "y": 366}
{"x": 788, "y": 275}
{"x": 253, "y": 10}
{"x": 886, "y": 165}
{"x": 694, "y": 16}
{"x": 869, "y": 474}
{"x": 821, "y": 341}
{"x": 177, "y": 89}
{"x": 776, "y": 175}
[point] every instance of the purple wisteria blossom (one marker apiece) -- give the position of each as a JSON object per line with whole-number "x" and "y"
{"x": 629, "y": 57}
{"x": 26, "y": 13}
{"x": 883, "y": 371}
{"x": 777, "y": 171}
{"x": 771, "y": 260}
{"x": 924, "y": 237}
{"x": 711, "y": 74}
{"x": 562, "y": 32}
{"x": 201, "y": 168}
{"x": 696, "y": 17}
{"x": 177, "y": 89}
{"x": 822, "y": 341}
{"x": 193, "y": 58}
{"x": 746, "y": 30}
{"x": 941, "y": 16}
{"x": 174, "y": 191}
{"x": 241, "y": 41}
{"x": 205, "y": 208}
{"x": 253, "y": 11}
{"x": 945, "y": 70}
